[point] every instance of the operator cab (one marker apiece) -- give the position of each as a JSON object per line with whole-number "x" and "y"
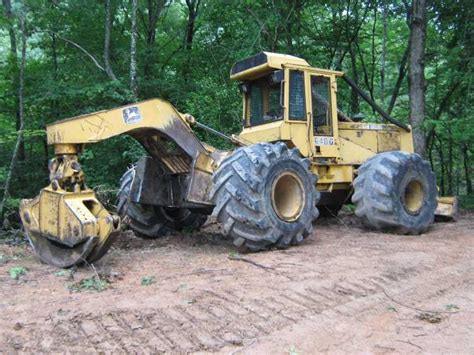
{"x": 284, "y": 98}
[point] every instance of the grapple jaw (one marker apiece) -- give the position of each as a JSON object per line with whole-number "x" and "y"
{"x": 68, "y": 228}
{"x": 66, "y": 224}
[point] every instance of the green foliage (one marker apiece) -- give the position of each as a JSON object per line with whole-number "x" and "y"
{"x": 293, "y": 350}
{"x": 7, "y": 258}
{"x": 65, "y": 273}
{"x": 234, "y": 254}
{"x": 148, "y": 280}
{"x": 466, "y": 202}
{"x": 62, "y": 81}
{"x": 391, "y": 309}
{"x": 93, "y": 283}
{"x": 10, "y": 212}
{"x": 16, "y": 272}
{"x": 452, "y": 308}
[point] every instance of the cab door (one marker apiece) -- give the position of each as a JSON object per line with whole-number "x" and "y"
{"x": 322, "y": 112}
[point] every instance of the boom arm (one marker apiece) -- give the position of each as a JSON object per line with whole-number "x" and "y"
{"x": 144, "y": 119}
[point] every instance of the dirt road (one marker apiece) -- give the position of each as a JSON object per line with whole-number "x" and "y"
{"x": 344, "y": 290}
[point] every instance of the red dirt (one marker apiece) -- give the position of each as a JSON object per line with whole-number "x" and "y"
{"x": 344, "y": 290}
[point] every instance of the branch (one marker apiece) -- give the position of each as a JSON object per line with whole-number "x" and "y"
{"x": 354, "y": 36}
{"x": 445, "y": 100}
{"x": 412, "y": 307}
{"x": 441, "y": 108}
{"x": 401, "y": 75}
{"x": 364, "y": 70}
{"x": 239, "y": 258}
{"x": 82, "y": 50}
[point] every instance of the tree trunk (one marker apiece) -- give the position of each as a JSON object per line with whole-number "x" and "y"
{"x": 384, "y": 53}
{"x": 299, "y": 5}
{"x": 288, "y": 26}
{"x": 449, "y": 168}
{"x": 417, "y": 74}
{"x": 155, "y": 7}
{"x": 108, "y": 28}
{"x": 430, "y": 155}
{"x": 7, "y": 6}
{"x": 133, "y": 50}
{"x": 442, "y": 163}
{"x": 369, "y": 83}
{"x": 54, "y": 103}
{"x": 467, "y": 168}
{"x": 193, "y": 7}
{"x": 372, "y": 71}
{"x": 355, "y": 108}
{"x": 16, "y": 149}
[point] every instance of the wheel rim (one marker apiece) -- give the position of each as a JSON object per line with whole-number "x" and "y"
{"x": 413, "y": 197}
{"x": 288, "y": 196}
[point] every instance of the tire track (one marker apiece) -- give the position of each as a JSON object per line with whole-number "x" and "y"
{"x": 229, "y": 317}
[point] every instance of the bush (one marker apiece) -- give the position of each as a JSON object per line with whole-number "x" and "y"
{"x": 466, "y": 202}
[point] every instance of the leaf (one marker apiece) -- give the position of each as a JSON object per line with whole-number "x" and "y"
{"x": 89, "y": 284}
{"x": 148, "y": 280}
{"x": 16, "y": 272}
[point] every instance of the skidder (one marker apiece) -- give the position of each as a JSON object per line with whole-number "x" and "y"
{"x": 297, "y": 152}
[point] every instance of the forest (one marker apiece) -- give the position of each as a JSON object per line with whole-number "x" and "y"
{"x": 63, "y": 58}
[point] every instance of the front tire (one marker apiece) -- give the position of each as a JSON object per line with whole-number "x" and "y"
{"x": 265, "y": 196}
{"x": 396, "y": 191}
{"x": 148, "y": 221}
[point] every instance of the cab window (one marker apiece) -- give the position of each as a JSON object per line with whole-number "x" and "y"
{"x": 297, "y": 101}
{"x": 264, "y": 99}
{"x": 321, "y": 102}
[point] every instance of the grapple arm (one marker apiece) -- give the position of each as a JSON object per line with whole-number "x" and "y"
{"x": 66, "y": 224}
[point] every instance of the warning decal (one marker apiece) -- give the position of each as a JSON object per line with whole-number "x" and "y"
{"x": 131, "y": 115}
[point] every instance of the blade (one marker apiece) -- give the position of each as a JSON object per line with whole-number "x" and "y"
{"x": 58, "y": 254}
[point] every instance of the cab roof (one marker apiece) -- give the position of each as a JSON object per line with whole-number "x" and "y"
{"x": 264, "y": 63}
{"x": 261, "y": 64}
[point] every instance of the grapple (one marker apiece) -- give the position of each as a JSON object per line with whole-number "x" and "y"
{"x": 66, "y": 224}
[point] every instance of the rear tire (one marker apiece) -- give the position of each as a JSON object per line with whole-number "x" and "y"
{"x": 265, "y": 196}
{"x": 148, "y": 221}
{"x": 396, "y": 191}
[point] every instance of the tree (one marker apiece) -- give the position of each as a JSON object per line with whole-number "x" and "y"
{"x": 108, "y": 28}
{"x": 133, "y": 50}
{"x": 417, "y": 74}
{"x": 154, "y": 9}
{"x": 7, "y": 6}
{"x": 21, "y": 87}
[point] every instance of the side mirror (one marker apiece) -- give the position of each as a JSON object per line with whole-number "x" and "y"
{"x": 276, "y": 77}
{"x": 244, "y": 88}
